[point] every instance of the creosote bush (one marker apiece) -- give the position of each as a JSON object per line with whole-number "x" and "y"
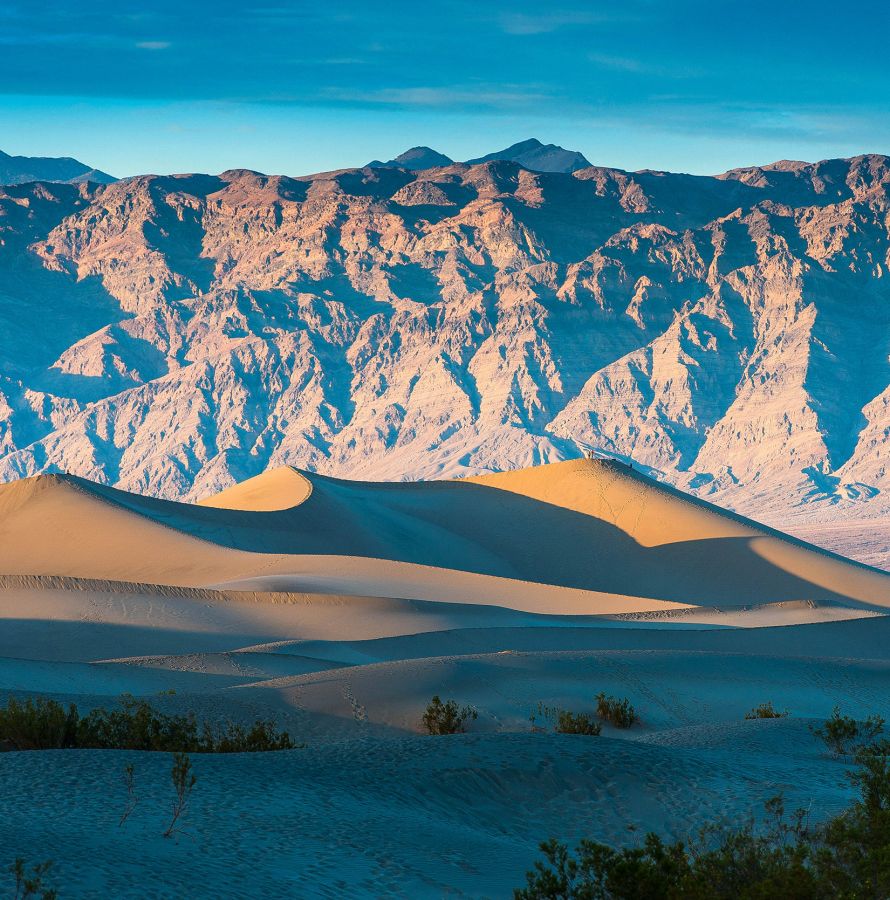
{"x": 843, "y": 734}
{"x": 446, "y": 718}
{"x": 848, "y": 857}
{"x": 766, "y": 711}
{"x": 616, "y": 712}
{"x": 47, "y": 725}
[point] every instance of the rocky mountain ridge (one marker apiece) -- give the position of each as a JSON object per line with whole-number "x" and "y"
{"x": 173, "y": 334}
{"x": 530, "y": 154}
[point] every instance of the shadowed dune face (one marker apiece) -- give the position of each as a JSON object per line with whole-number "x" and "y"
{"x": 589, "y": 526}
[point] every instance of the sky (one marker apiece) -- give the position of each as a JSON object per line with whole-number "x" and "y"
{"x": 132, "y": 86}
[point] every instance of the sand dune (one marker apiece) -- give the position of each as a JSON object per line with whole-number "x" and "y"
{"x": 589, "y": 526}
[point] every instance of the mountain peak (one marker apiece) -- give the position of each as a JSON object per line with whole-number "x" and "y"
{"x": 416, "y": 159}
{"x": 532, "y": 154}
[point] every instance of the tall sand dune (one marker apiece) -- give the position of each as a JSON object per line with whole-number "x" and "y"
{"x": 583, "y": 537}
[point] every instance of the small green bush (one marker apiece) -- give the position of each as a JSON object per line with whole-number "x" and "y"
{"x": 446, "y": 718}
{"x": 843, "y": 734}
{"x": 766, "y": 711}
{"x": 46, "y": 725}
{"x": 617, "y": 712}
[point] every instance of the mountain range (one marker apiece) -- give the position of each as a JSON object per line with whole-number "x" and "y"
{"x": 530, "y": 154}
{"x": 21, "y": 169}
{"x": 174, "y": 334}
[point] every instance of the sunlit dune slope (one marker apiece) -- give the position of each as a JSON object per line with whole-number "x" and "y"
{"x": 590, "y": 526}
{"x": 273, "y": 490}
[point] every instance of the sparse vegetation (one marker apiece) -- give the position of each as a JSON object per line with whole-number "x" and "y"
{"x": 446, "y": 718}
{"x": 616, "y": 712}
{"x": 47, "y": 725}
{"x": 31, "y": 882}
{"x": 184, "y": 781}
{"x": 766, "y": 711}
{"x": 848, "y": 857}
{"x": 842, "y": 735}
{"x": 577, "y": 723}
{"x": 565, "y": 722}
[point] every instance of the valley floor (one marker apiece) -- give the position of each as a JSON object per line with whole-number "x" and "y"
{"x": 369, "y": 807}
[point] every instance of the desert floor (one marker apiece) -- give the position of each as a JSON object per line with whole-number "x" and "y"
{"x": 339, "y": 609}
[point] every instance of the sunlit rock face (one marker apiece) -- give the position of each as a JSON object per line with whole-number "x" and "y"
{"x": 172, "y": 335}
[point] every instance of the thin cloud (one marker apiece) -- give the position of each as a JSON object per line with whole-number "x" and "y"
{"x": 526, "y": 24}
{"x": 439, "y": 97}
{"x": 153, "y": 45}
{"x": 620, "y": 63}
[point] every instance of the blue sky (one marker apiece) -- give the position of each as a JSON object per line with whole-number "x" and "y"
{"x": 131, "y": 86}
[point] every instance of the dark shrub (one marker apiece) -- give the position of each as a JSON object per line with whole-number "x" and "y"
{"x": 617, "y": 712}
{"x": 136, "y": 725}
{"x": 38, "y": 725}
{"x": 446, "y": 718}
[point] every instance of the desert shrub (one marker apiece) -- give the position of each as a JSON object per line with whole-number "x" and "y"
{"x": 854, "y": 860}
{"x": 848, "y": 857}
{"x": 261, "y": 737}
{"x": 38, "y": 725}
{"x": 446, "y": 718}
{"x": 742, "y": 866}
{"x": 30, "y": 882}
{"x": 576, "y": 723}
{"x": 842, "y": 734}
{"x": 47, "y": 725}
{"x": 564, "y": 721}
{"x": 617, "y": 712}
{"x": 766, "y": 711}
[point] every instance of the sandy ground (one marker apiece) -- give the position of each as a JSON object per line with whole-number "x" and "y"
{"x": 340, "y": 608}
